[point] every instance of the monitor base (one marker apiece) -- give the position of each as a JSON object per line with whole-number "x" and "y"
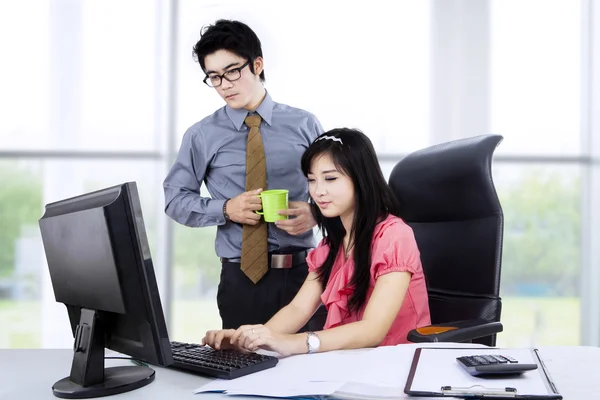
{"x": 116, "y": 380}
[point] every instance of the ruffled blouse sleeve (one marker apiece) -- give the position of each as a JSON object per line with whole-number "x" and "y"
{"x": 317, "y": 256}
{"x": 394, "y": 249}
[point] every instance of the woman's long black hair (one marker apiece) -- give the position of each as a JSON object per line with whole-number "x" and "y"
{"x": 352, "y": 154}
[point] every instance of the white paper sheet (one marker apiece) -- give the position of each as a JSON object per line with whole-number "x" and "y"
{"x": 308, "y": 389}
{"x": 363, "y": 391}
{"x": 275, "y": 389}
{"x": 382, "y": 367}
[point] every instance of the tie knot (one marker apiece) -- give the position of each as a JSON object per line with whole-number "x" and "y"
{"x": 252, "y": 121}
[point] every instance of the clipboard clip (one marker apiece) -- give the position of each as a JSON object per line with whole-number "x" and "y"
{"x": 478, "y": 391}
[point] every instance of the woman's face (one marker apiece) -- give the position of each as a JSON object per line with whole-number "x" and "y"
{"x": 331, "y": 189}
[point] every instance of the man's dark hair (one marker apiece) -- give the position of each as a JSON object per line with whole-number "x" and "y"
{"x": 233, "y": 36}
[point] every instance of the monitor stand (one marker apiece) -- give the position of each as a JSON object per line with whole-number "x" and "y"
{"x": 88, "y": 377}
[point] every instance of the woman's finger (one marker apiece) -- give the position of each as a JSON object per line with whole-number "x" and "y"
{"x": 238, "y": 332}
{"x": 209, "y": 339}
{"x": 249, "y": 336}
{"x": 257, "y": 343}
{"x": 219, "y": 339}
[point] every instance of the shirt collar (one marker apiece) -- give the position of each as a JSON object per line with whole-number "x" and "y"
{"x": 265, "y": 110}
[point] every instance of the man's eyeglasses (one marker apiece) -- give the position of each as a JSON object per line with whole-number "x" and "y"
{"x": 231, "y": 75}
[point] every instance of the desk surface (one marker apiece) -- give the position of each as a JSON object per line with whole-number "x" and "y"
{"x": 29, "y": 374}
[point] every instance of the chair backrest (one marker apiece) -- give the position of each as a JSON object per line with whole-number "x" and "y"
{"x": 447, "y": 196}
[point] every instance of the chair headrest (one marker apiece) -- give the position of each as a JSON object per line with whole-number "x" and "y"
{"x": 448, "y": 181}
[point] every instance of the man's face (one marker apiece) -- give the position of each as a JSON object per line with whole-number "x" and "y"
{"x": 245, "y": 87}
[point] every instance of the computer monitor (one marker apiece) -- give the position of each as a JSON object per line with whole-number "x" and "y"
{"x": 100, "y": 267}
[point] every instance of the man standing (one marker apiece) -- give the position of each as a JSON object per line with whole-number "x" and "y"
{"x": 249, "y": 145}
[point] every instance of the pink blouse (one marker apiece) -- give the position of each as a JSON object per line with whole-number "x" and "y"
{"x": 393, "y": 249}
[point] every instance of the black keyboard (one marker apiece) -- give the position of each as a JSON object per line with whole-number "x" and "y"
{"x": 224, "y": 364}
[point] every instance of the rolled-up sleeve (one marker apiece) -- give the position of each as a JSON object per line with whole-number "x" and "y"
{"x": 183, "y": 202}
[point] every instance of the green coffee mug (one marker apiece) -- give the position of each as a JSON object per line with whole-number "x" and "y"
{"x": 273, "y": 201}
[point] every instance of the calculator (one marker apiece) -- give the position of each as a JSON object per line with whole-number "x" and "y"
{"x": 493, "y": 364}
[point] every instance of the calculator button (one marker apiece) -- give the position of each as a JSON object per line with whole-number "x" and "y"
{"x": 509, "y": 359}
{"x": 500, "y": 359}
{"x": 481, "y": 360}
{"x": 490, "y": 359}
{"x": 466, "y": 361}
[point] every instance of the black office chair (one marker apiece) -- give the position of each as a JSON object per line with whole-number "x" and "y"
{"x": 447, "y": 196}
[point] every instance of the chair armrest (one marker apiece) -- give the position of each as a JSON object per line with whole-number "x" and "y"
{"x": 457, "y": 331}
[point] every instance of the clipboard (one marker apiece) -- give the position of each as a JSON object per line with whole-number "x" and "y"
{"x": 434, "y": 372}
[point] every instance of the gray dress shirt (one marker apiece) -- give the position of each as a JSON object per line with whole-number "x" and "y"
{"x": 213, "y": 151}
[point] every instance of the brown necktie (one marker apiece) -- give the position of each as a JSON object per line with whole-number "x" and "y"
{"x": 255, "y": 254}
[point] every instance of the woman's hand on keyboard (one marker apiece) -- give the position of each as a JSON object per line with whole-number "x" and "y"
{"x": 220, "y": 339}
{"x": 254, "y": 337}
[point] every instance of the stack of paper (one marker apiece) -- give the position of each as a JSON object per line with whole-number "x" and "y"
{"x": 378, "y": 373}
{"x": 273, "y": 389}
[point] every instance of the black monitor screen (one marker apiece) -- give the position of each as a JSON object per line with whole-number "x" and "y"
{"x": 101, "y": 269}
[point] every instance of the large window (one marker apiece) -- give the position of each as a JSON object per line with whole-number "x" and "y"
{"x": 29, "y": 315}
{"x": 541, "y": 258}
{"x": 536, "y": 76}
{"x": 87, "y": 102}
{"x": 79, "y": 113}
{"x": 535, "y": 104}
{"x": 349, "y": 63}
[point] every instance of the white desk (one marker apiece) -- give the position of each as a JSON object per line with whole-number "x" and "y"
{"x": 29, "y": 374}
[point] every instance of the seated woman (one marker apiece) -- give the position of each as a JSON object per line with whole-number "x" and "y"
{"x": 367, "y": 269}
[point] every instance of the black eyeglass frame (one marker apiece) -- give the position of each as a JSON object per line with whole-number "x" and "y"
{"x": 222, "y": 76}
